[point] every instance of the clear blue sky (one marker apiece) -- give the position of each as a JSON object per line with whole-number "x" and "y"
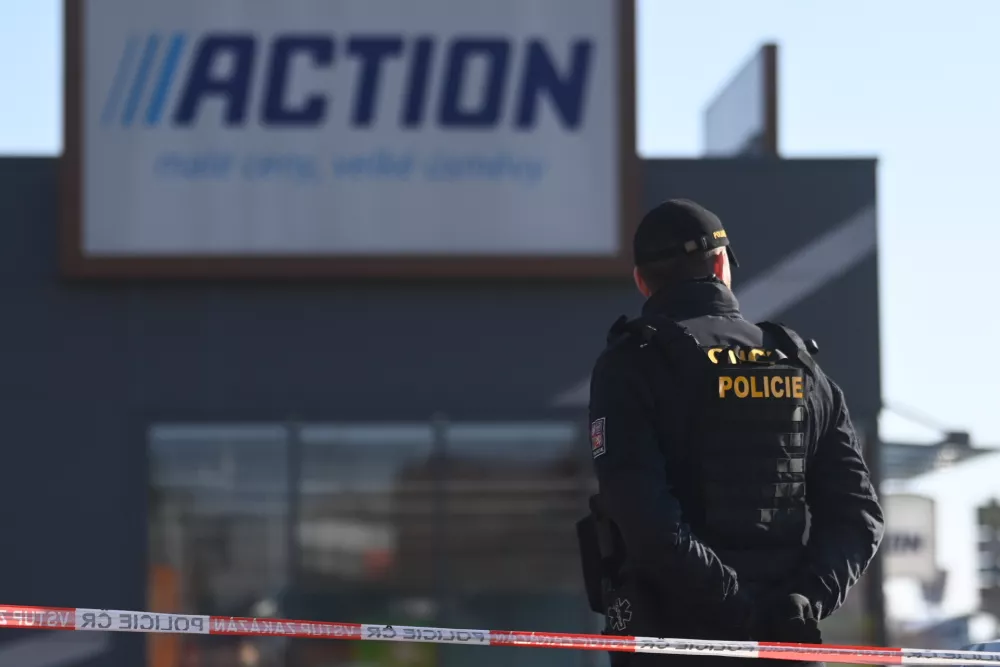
{"x": 914, "y": 84}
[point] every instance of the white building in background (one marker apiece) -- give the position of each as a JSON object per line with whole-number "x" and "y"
{"x": 955, "y": 493}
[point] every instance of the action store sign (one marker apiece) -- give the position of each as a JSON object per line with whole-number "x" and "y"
{"x": 356, "y": 136}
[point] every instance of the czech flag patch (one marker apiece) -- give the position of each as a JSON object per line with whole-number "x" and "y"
{"x": 597, "y": 443}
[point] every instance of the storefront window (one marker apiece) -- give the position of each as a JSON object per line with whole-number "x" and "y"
{"x": 447, "y": 524}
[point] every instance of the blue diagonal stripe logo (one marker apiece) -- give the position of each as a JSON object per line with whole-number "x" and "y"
{"x": 143, "y": 61}
{"x": 122, "y": 74}
{"x": 139, "y": 81}
{"x": 168, "y": 71}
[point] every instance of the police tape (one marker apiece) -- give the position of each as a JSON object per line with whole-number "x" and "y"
{"x": 112, "y": 620}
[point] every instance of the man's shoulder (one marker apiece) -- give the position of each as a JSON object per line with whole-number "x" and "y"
{"x": 633, "y": 348}
{"x": 778, "y": 335}
{"x": 623, "y": 344}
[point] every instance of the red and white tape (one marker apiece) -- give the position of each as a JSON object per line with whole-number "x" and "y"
{"x": 113, "y": 620}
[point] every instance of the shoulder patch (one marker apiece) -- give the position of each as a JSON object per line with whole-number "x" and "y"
{"x": 597, "y": 443}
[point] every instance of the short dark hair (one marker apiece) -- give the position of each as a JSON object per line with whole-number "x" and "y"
{"x": 665, "y": 272}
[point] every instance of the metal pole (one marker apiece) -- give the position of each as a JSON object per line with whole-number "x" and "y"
{"x": 439, "y": 457}
{"x": 294, "y": 510}
{"x": 988, "y": 520}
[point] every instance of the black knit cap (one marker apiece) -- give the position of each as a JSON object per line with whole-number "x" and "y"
{"x": 677, "y": 227}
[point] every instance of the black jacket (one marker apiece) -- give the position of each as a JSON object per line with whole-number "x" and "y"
{"x": 638, "y": 459}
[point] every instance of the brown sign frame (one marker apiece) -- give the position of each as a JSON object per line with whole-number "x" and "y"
{"x": 75, "y": 264}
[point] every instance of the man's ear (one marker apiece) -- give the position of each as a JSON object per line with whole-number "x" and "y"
{"x": 720, "y": 267}
{"x": 640, "y": 283}
{"x": 719, "y": 264}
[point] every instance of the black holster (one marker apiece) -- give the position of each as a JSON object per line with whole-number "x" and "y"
{"x": 601, "y": 554}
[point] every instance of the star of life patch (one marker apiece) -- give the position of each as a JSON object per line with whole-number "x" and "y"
{"x": 619, "y": 614}
{"x": 597, "y": 442}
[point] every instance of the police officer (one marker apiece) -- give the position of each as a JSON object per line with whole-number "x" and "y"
{"x": 711, "y": 436}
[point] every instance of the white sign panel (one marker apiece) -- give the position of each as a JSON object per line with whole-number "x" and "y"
{"x": 387, "y": 128}
{"x": 908, "y": 545}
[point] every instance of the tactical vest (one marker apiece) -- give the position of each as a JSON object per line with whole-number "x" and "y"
{"x": 744, "y": 445}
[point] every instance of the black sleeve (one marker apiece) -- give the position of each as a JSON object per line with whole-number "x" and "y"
{"x": 846, "y": 519}
{"x": 631, "y": 472}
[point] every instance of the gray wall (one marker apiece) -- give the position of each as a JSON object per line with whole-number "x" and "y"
{"x": 87, "y": 366}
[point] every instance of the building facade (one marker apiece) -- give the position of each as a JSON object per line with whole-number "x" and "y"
{"x": 394, "y": 451}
